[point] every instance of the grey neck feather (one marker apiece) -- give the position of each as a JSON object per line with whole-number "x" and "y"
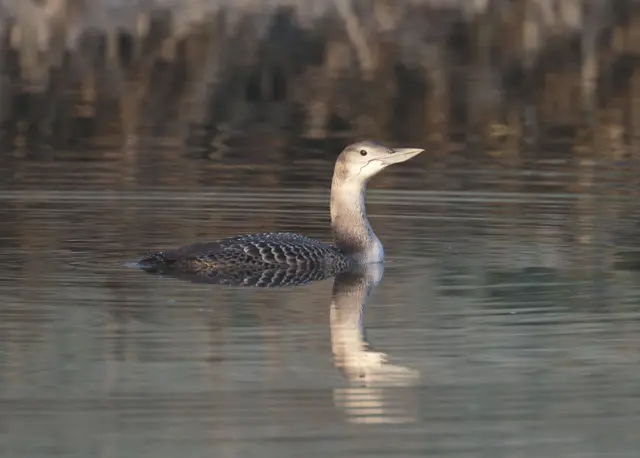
{"x": 351, "y": 229}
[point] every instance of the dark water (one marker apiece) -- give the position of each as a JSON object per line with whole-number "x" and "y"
{"x": 508, "y": 310}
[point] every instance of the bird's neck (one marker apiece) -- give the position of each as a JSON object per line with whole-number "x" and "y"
{"x": 351, "y": 229}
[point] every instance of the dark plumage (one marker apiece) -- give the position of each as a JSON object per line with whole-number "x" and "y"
{"x": 268, "y": 259}
{"x": 260, "y": 278}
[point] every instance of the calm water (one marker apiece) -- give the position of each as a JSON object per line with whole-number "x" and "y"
{"x": 508, "y": 311}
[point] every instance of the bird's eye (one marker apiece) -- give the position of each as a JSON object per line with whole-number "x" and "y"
{"x": 363, "y": 152}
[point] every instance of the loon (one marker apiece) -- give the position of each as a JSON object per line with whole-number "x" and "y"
{"x": 355, "y": 242}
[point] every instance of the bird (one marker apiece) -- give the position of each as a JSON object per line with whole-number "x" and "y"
{"x": 246, "y": 258}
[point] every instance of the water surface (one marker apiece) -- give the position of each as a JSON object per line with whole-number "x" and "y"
{"x": 509, "y": 292}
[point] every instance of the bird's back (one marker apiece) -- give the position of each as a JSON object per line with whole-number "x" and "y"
{"x": 251, "y": 252}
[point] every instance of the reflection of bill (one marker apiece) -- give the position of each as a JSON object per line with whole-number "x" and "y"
{"x": 351, "y": 352}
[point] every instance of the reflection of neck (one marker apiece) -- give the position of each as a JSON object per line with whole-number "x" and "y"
{"x": 350, "y": 293}
{"x": 351, "y": 229}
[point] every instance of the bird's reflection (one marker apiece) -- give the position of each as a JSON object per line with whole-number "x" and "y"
{"x": 368, "y": 398}
{"x": 352, "y": 354}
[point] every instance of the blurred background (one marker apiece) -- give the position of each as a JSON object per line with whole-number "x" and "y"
{"x": 497, "y": 76}
{"x": 512, "y": 243}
